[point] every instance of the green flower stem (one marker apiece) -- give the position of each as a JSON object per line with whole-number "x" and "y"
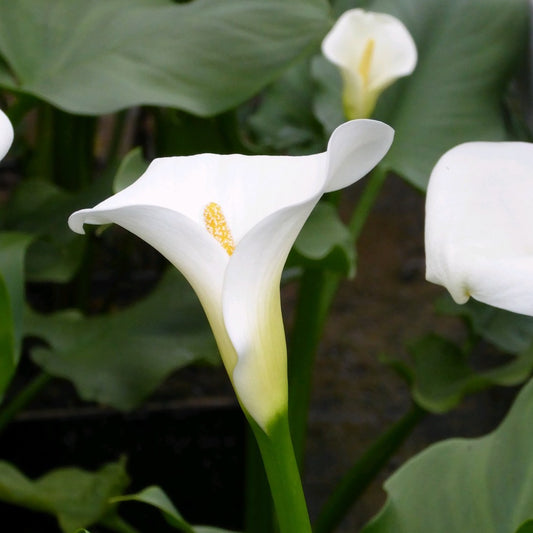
{"x": 22, "y": 399}
{"x": 283, "y": 475}
{"x": 365, "y": 470}
{"x": 367, "y": 201}
{"x": 64, "y": 148}
{"x": 316, "y": 293}
{"x": 259, "y": 510}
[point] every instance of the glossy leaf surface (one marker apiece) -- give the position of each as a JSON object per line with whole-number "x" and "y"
{"x": 204, "y": 56}
{"x": 466, "y": 484}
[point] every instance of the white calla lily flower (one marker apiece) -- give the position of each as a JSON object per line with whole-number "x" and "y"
{"x": 479, "y": 220}
{"x": 228, "y": 222}
{"x": 372, "y": 50}
{"x": 6, "y": 134}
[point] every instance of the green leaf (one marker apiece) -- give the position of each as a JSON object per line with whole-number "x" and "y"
{"x": 441, "y": 374}
{"x": 76, "y": 497}
{"x": 131, "y": 168}
{"x": 120, "y": 358}
{"x": 204, "y": 56}
{"x": 466, "y": 53}
{"x": 466, "y": 485}
{"x": 41, "y": 208}
{"x": 324, "y": 242}
{"x": 12, "y": 253}
{"x": 284, "y": 121}
{"x": 510, "y": 332}
{"x": 156, "y": 497}
{"x": 526, "y": 527}
{"x": 327, "y": 104}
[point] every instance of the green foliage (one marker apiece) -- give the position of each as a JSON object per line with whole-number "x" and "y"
{"x": 156, "y": 497}
{"x": 466, "y": 53}
{"x": 324, "y": 242}
{"x": 130, "y": 169}
{"x": 526, "y": 527}
{"x": 40, "y": 208}
{"x": 120, "y": 358}
{"x": 510, "y": 332}
{"x": 12, "y": 252}
{"x": 130, "y": 52}
{"x": 76, "y": 497}
{"x": 441, "y": 373}
{"x": 466, "y": 484}
{"x": 284, "y": 121}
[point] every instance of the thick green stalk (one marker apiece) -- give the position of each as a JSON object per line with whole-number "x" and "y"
{"x": 283, "y": 475}
{"x": 22, "y": 399}
{"x": 259, "y": 510}
{"x": 365, "y": 470}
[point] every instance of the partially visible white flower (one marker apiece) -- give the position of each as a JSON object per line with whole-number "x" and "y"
{"x": 372, "y": 50}
{"x": 6, "y": 134}
{"x": 479, "y": 224}
{"x": 228, "y": 222}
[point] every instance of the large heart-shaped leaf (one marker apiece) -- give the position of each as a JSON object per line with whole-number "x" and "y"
{"x": 204, "y": 56}
{"x": 120, "y": 358}
{"x": 466, "y": 485}
{"x": 467, "y": 49}
{"x": 13, "y": 247}
{"x": 76, "y": 497}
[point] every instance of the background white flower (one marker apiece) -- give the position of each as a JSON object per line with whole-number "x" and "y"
{"x": 479, "y": 224}
{"x": 372, "y": 50}
{"x": 6, "y": 134}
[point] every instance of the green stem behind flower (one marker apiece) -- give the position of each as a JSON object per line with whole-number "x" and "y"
{"x": 283, "y": 475}
{"x": 316, "y": 293}
{"x": 23, "y": 398}
{"x": 365, "y": 470}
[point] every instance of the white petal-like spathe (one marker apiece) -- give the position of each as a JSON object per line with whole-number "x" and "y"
{"x": 355, "y": 148}
{"x": 372, "y": 50}
{"x": 6, "y": 134}
{"x": 265, "y": 201}
{"x": 479, "y": 220}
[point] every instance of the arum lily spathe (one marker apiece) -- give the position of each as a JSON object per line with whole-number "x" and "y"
{"x": 479, "y": 220}
{"x": 228, "y": 222}
{"x": 372, "y": 50}
{"x": 6, "y": 134}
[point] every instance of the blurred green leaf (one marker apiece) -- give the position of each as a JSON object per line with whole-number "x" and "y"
{"x": 441, "y": 374}
{"x": 526, "y": 527}
{"x": 76, "y": 497}
{"x": 156, "y": 497}
{"x": 324, "y": 242}
{"x": 41, "y": 208}
{"x": 12, "y": 253}
{"x": 131, "y": 168}
{"x": 120, "y": 358}
{"x": 466, "y": 485}
{"x": 510, "y": 332}
{"x": 327, "y": 104}
{"x": 284, "y": 121}
{"x": 467, "y": 49}
{"x": 204, "y": 56}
